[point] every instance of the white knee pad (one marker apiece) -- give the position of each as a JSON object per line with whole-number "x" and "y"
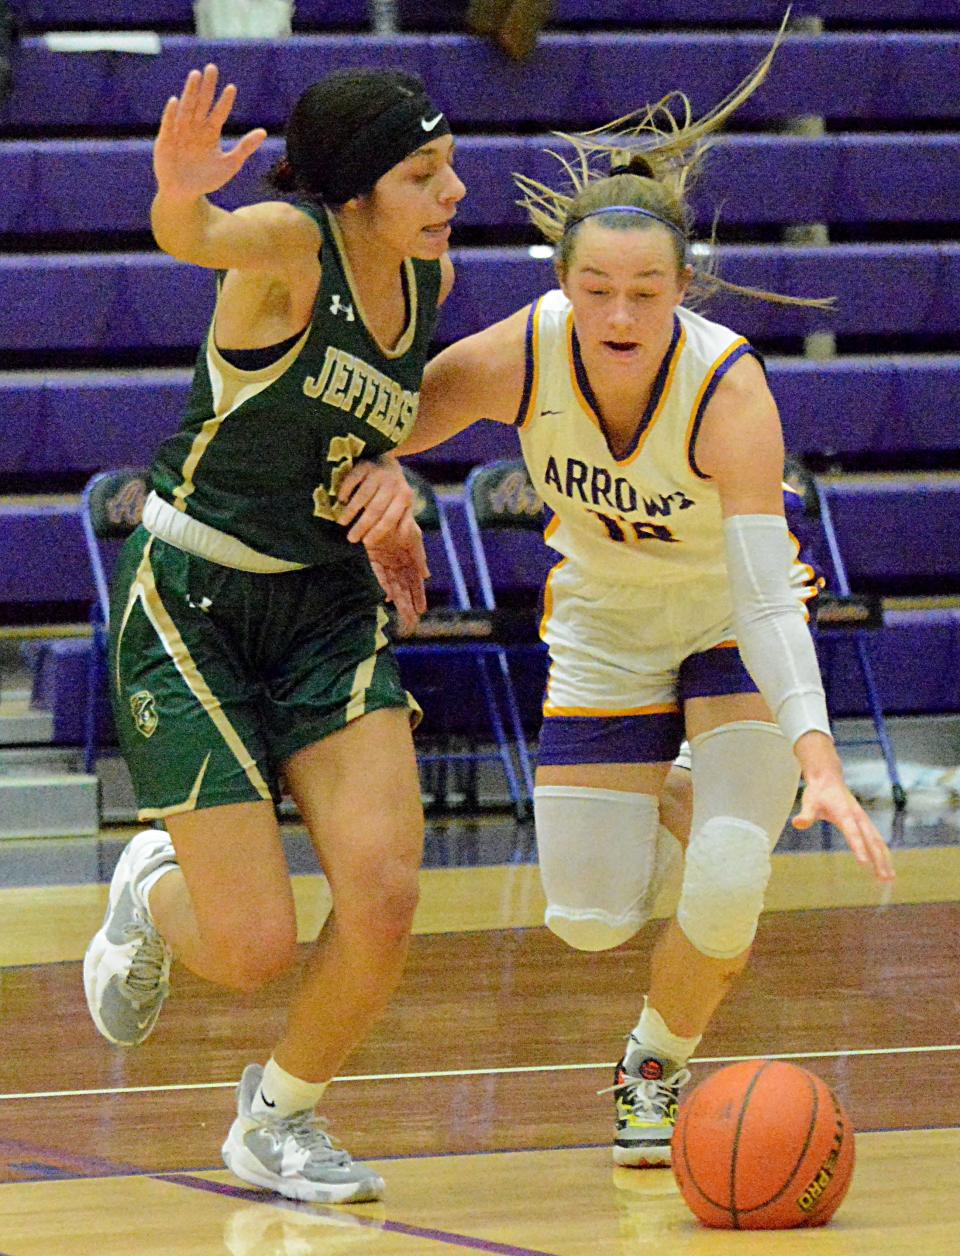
{"x": 724, "y": 881}
{"x": 602, "y": 862}
{"x": 745, "y": 778}
{"x": 747, "y": 769}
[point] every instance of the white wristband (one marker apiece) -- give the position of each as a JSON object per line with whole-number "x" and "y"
{"x": 773, "y": 638}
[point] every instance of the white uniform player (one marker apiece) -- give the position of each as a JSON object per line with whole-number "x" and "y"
{"x": 653, "y": 439}
{"x": 636, "y": 527}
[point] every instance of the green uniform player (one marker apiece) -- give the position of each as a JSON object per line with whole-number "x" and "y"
{"x": 242, "y": 571}
{"x": 250, "y": 637}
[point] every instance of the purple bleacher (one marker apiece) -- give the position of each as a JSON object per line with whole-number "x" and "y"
{"x": 44, "y": 556}
{"x": 83, "y": 421}
{"x": 442, "y": 14}
{"x": 165, "y": 14}
{"x": 66, "y": 186}
{"x": 59, "y": 686}
{"x": 891, "y": 528}
{"x": 135, "y": 301}
{"x": 916, "y": 660}
{"x": 76, "y": 422}
{"x": 579, "y": 79}
{"x": 765, "y": 12}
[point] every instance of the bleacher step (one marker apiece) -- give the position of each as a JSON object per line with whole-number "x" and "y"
{"x": 52, "y": 804}
{"x": 24, "y": 725}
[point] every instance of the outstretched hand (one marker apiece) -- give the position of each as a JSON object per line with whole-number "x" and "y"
{"x": 188, "y": 159}
{"x": 831, "y": 800}
{"x": 378, "y": 508}
{"x": 400, "y": 565}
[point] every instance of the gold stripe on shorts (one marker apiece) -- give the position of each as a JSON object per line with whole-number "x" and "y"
{"x": 145, "y": 588}
{"x": 363, "y": 676}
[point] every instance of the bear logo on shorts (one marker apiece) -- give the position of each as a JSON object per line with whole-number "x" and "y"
{"x": 143, "y": 707}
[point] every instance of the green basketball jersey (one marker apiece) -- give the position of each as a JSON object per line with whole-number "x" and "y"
{"x": 260, "y": 454}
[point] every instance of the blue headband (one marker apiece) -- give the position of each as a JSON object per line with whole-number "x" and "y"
{"x": 627, "y": 209}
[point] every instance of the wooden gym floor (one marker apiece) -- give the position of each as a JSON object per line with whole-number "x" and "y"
{"x": 476, "y": 1094}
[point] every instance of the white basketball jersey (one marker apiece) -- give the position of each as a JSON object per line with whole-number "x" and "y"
{"x": 651, "y": 514}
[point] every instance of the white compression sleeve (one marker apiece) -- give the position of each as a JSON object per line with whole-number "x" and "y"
{"x": 768, "y": 620}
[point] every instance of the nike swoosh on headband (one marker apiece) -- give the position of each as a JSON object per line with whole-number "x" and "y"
{"x": 429, "y": 123}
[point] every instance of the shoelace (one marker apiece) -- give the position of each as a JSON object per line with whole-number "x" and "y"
{"x": 655, "y": 1096}
{"x": 310, "y": 1132}
{"x": 144, "y": 982}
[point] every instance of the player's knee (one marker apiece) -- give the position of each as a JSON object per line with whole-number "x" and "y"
{"x": 725, "y": 879}
{"x": 590, "y": 931}
{"x": 258, "y": 952}
{"x": 379, "y": 911}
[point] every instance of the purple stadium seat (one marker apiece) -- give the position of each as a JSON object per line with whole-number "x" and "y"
{"x": 102, "y": 187}
{"x": 125, "y": 301}
{"x": 578, "y": 78}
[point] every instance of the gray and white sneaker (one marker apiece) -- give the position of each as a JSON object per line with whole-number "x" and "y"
{"x": 293, "y": 1155}
{"x": 126, "y": 970}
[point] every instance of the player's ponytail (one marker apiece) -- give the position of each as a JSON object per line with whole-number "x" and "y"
{"x": 645, "y": 162}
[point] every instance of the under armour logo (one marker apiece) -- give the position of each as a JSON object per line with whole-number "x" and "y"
{"x": 429, "y": 123}
{"x": 203, "y": 605}
{"x": 336, "y": 305}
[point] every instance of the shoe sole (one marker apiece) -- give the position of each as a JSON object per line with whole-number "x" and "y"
{"x": 642, "y": 1157}
{"x": 351, "y": 1193}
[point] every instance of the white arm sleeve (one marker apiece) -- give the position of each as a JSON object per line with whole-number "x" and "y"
{"x": 774, "y": 640}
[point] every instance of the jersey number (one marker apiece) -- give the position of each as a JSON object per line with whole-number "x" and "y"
{"x": 619, "y": 529}
{"x": 343, "y": 452}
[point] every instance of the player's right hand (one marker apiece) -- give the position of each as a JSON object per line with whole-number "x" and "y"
{"x": 188, "y": 159}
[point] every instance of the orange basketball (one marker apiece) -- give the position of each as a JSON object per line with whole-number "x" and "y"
{"x": 763, "y": 1145}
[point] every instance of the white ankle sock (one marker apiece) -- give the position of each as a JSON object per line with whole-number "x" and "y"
{"x": 657, "y": 1039}
{"x": 282, "y": 1094}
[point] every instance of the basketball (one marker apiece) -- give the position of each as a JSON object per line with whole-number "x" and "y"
{"x": 763, "y": 1145}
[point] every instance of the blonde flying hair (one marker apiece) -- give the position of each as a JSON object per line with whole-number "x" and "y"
{"x": 652, "y": 158}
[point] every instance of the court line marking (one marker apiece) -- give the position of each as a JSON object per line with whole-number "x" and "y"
{"x": 327, "y": 1215}
{"x": 99, "y": 1169}
{"x": 488, "y": 1072}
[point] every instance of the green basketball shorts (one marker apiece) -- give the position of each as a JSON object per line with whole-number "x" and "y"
{"x": 218, "y": 675}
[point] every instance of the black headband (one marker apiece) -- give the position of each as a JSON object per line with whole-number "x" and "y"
{"x": 380, "y": 144}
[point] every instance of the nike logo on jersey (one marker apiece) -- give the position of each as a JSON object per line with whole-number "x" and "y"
{"x": 338, "y": 307}
{"x": 544, "y": 413}
{"x": 429, "y": 123}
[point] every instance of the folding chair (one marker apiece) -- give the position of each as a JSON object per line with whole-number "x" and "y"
{"x": 112, "y": 505}
{"x": 504, "y": 516}
{"x": 842, "y": 616}
{"x": 453, "y": 633}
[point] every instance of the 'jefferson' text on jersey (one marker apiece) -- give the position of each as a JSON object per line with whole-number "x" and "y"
{"x": 261, "y": 454}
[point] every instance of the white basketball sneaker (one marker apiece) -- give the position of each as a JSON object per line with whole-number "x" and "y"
{"x": 293, "y": 1155}
{"x": 126, "y": 970}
